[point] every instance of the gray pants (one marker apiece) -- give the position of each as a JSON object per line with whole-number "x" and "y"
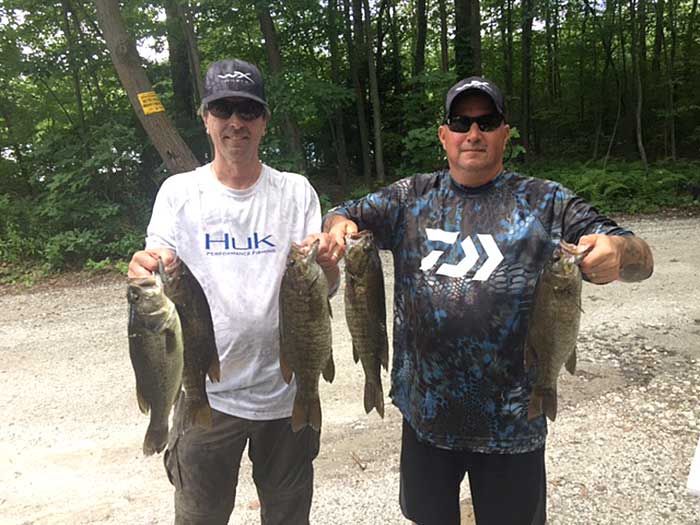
{"x": 203, "y": 466}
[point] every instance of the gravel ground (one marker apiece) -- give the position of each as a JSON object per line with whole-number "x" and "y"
{"x": 619, "y": 452}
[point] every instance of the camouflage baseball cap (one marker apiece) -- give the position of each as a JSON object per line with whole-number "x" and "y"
{"x": 233, "y": 78}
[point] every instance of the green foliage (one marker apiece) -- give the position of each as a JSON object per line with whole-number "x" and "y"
{"x": 627, "y": 187}
{"x": 106, "y": 266}
{"x": 77, "y": 182}
{"x": 422, "y": 151}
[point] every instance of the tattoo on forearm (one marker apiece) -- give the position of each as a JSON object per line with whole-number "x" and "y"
{"x": 637, "y": 261}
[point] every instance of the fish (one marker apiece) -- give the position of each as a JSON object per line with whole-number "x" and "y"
{"x": 201, "y": 357}
{"x": 156, "y": 353}
{"x": 553, "y": 327}
{"x": 365, "y": 314}
{"x": 305, "y": 333}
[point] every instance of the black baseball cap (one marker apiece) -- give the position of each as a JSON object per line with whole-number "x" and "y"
{"x": 481, "y": 85}
{"x": 233, "y": 78}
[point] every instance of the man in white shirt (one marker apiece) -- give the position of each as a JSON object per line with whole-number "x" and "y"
{"x": 232, "y": 222}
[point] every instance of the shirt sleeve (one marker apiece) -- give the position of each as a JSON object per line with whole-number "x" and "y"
{"x": 378, "y": 212}
{"x": 160, "y": 232}
{"x": 579, "y": 218}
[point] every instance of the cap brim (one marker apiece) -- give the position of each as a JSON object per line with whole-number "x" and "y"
{"x": 229, "y": 94}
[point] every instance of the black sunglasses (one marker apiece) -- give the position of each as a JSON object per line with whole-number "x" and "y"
{"x": 247, "y": 110}
{"x": 463, "y": 123}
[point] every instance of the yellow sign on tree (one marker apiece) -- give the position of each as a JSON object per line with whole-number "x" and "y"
{"x": 150, "y": 103}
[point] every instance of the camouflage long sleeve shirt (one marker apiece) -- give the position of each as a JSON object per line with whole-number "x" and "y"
{"x": 466, "y": 262}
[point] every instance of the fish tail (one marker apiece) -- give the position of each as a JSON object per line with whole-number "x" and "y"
{"x": 197, "y": 412}
{"x": 374, "y": 397}
{"x": 156, "y": 438}
{"x": 306, "y": 412}
{"x": 214, "y": 371}
{"x": 549, "y": 404}
{"x": 534, "y": 409}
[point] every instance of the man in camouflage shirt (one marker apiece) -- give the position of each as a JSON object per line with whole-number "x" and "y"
{"x": 468, "y": 246}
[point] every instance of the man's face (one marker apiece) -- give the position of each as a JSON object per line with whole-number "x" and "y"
{"x": 475, "y": 157}
{"x": 236, "y": 127}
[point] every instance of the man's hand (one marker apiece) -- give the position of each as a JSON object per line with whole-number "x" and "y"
{"x": 328, "y": 255}
{"x": 338, "y": 227}
{"x": 613, "y": 257}
{"x": 143, "y": 263}
{"x": 329, "y": 251}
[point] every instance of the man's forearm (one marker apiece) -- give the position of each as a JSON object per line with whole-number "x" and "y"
{"x": 637, "y": 262}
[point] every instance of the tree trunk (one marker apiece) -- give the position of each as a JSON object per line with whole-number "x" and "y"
{"x": 658, "y": 39}
{"x": 444, "y": 47}
{"x": 274, "y": 57}
{"x": 670, "y": 74}
{"x": 75, "y": 74}
{"x": 638, "y": 85}
{"x": 421, "y": 32}
{"x": 505, "y": 23}
{"x": 87, "y": 54}
{"x": 360, "y": 103}
{"x": 467, "y": 40}
{"x": 183, "y": 96}
{"x": 689, "y": 42}
{"x": 376, "y": 105}
{"x": 525, "y": 118}
{"x": 192, "y": 51}
{"x": 338, "y": 124}
{"x": 396, "y": 50}
{"x": 176, "y": 155}
{"x": 379, "y": 60}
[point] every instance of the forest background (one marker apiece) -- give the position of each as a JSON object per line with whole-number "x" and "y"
{"x": 601, "y": 95}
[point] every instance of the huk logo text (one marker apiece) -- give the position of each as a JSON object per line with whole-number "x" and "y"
{"x": 229, "y": 242}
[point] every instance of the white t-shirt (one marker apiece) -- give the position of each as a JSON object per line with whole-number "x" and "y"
{"x": 235, "y": 242}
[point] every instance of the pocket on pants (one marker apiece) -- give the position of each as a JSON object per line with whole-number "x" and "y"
{"x": 172, "y": 464}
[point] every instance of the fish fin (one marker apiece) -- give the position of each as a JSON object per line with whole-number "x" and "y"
{"x": 355, "y": 353}
{"x": 329, "y": 370}
{"x": 534, "y": 408}
{"x": 144, "y": 406}
{"x": 549, "y": 404}
{"x": 314, "y": 414}
{"x": 198, "y": 413}
{"x": 384, "y": 354}
{"x": 214, "y": 371}
{"x": 374, "y": 397}
{"x": 156, "y": 438}
{"x": 530, "y": 356}
{"x": 299, "y": 418}
{"x": 286, "y": 370}
{"x": 571, "y": 363}
{"x": 306, "y": 413}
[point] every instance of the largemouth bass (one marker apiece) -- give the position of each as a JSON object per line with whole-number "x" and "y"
{"x": 305, "y": 333}
{"x": 201, "y": 357}
{"x": 156, "y": 352}
{"x": 553, "y": 327}
{"x": 365, "y": 313}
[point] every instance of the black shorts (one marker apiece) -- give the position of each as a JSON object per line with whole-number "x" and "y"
{"x": 506, "y": 489}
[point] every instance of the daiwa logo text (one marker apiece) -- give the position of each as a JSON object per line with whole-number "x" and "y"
{"x": 229, "y": 242}
{"x": 471, "y": 256}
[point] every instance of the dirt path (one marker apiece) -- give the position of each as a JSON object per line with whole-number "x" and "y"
{"x": 70, "y": 440}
